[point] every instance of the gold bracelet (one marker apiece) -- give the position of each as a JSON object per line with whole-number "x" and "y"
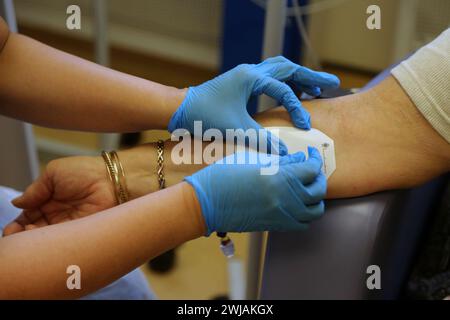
{"x": 122, "y": 186}
{"x": 160, "y": 161}
{"x": 116, "y": 175}
{"x": 109, "y": 166}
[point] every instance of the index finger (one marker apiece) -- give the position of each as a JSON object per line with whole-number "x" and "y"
{"x": 324, "y": 80}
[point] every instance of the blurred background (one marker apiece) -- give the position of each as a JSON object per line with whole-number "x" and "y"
{"x": 186, "y": 42}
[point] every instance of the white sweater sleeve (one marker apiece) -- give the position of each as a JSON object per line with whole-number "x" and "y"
{"x": 425, "y": 77}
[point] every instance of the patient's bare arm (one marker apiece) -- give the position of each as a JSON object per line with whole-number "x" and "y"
{"x": 381, "y": 140}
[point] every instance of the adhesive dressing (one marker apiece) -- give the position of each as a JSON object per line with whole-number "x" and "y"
{"x": 299, "y": 140}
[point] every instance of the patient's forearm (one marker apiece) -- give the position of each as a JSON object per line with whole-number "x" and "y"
{"x": 381, "y": 140}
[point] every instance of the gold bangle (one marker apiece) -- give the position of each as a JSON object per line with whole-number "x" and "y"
{"x": 160, "y": 161}
{"x": 109, "y": 166}
{"x": 116, "y": 175}
{"x": 122, "y": 186}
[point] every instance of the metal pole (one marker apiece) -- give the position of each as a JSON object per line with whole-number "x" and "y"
{"x": 275, "y": 22}
{"x": 274, "y": 25}
{"x": 404, "y": 28}
{"x": 101, "y": 32}
{"x": 19, "y": 161}
{"x": 108, "y": 141}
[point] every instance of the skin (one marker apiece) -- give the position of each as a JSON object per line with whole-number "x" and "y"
{"x": 34, "y": 74}
{"x": 382, "y": 141}
{"x": 4, "y": 33}
{"x": 45, "y": 86}
{"x": 34, "y": 262}
{"x": 366, "y": 162}
{"x": 130, "y": 234}
{"x": 49, "y": 201}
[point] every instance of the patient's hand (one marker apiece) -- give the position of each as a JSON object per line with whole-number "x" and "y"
{"x": 69, "y": 188}
{"x": 381, "y": 140}
{"x": 75, "y": 187}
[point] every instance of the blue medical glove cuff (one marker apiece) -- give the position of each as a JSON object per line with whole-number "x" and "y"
{"x": 174, "y": 120}
{"x": 177, "y": 118}
{"x": 205, "y": 204}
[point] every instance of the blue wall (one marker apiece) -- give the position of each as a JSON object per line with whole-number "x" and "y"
{"x": 243, "y": 36}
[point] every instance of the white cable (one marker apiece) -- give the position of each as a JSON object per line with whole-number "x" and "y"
{"x": 298, "y": 11}
{"x": 309, "y": 8}
{"x": 318, "y": 7}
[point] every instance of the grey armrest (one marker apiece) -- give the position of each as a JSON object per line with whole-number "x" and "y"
{"x": 329, "y": 261}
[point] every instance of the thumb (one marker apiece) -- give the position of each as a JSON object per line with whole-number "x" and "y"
{"x": 34, "y": 196}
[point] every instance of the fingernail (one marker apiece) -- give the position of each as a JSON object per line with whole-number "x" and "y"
{"x": 317, "y": 91}
{"x": 305, "y": 125}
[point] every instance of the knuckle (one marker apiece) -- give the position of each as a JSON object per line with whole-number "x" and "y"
{"x": 242, "y": 69}
{"x": 263, "y": 82}
{"x": 308, "y": 197}
{"x": 272, "y": 194}
{"x": 308, "y": 173}
{"x": 317, "y": 195}
{"x": 278, "y": 59}
{"x": 289, "y": 97}
{"x": 52, "y": 164}
{"x": 246, "y": 73}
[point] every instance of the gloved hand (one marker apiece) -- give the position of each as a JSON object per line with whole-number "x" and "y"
{"x": 237, "y": 197}
{"x": 221, "y": 103}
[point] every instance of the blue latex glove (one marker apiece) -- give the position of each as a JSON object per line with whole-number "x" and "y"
{"x": 221, "y": 103}
{"x": 237, "y": 197}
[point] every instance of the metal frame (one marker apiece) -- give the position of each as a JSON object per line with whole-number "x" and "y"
{"x": 274, "y": 24}
{"x": 19, "y": 161}
{"x": 108, "y": 141}
{"x": 404, "y": 28}
{"x": 23, "y": 159}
